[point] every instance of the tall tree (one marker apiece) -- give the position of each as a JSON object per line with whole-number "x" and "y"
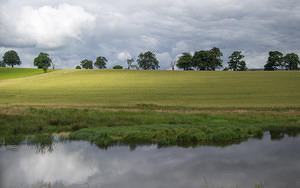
{"x": 11, "y": 58}
{"x": 215, "y": 61}
{"x": 148, "y": 61}
{"x": 100, "y": 62}
{"x": 42, "y": 61}
{"x": 201, "y": 60}
{"x": 275, "y": 60}
{"x": 129, "y": 62}
{"x": 86, "y": 64}
{"x": 236, "y": 63}
{"x": 185, "y": 61}
{"x": 291, "y": 61}
{"x": 208, "y": 59}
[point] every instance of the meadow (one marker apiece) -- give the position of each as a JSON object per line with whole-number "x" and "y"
{"x": 192, "y": 89}
{"x": 110, "y": 107}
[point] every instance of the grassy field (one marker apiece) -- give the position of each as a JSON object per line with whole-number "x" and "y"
{"x": 163, "y": 107}
{"x": 10, "y": 73}
{"x": 164, "y": 88}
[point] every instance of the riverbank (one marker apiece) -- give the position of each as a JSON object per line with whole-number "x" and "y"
{"x": 162, "y": 126}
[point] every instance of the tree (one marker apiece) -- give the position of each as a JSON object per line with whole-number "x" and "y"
{"x": 275, "y": 60}
{"x": 173, "y": 64}
{"x": 2, "y": 64}
{"x": 86, "y": 64}
{"x": 185, "y": 61}
{"x": 215, "y": 58}
{"x": 148, "y": 61}
{"x": 129, "y": 62}
{"x": 208, "y": 59}
{"x": 117, "y": 67}
{"x": 11, "y": 58}
{"x": 236, "y": 63}
{"x": 100, "y": 62}
{"x": 201, "y": 60}
{"x": 291, "y": 61}
{"x": 42, "y": 61}
{"x": 78, "y": 67}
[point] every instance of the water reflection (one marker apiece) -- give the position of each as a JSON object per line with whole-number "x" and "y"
{"x": 80, "y": 164}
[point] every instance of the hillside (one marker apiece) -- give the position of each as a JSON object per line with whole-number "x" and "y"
{"x": 10, "y": 73}
{"x": 167, "y": 88}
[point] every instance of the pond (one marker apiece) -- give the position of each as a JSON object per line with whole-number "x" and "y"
{"x": 272, "y": 163}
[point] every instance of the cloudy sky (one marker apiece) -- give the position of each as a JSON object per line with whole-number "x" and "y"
{"x": 72, "y": 30}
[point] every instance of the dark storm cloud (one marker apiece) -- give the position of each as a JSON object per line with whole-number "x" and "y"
{"x": 73, "y": 30}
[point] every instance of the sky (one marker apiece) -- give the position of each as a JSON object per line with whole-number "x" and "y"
{"x": 73, "y": 30}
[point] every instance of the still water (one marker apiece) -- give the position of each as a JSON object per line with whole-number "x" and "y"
{"x": 275, "y": 163}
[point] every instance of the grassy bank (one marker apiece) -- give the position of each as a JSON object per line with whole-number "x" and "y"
{"x": 105, "y": 127}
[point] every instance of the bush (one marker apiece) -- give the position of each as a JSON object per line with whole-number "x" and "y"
{"x": 117, "y": 67}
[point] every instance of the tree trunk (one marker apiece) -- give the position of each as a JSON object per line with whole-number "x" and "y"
{"x": 12, "y": 66}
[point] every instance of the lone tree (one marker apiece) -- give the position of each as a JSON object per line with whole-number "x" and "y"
{"x": 11, "y": 58}
{"x": 129, "y": 62}
{"x": 100, "y": 62}
{"x": 148, "y": 61}
{"x": 291, "y": 61}
{"x": 78, "y": 67}
{"x": 42, "y": 61}
{"x": 236, "y": 63}
{"x": 185, "y": 61}
{"x": 86, "y": 64}
{"x": 275, "y": 60}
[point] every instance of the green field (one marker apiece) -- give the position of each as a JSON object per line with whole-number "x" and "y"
{"x": 10, "y": 73}
{"x": 164, "y": 88}
{"x": 110, "y": 107}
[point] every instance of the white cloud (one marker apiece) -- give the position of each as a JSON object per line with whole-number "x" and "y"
{"x": 47, "y": 26}
{"x": 123, "y": 56}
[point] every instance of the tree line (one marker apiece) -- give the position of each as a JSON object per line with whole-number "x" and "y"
{"x": 203, "y": 60}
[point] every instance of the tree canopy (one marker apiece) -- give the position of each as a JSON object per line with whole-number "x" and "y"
{"x": 100, "y": 62}
{"x": 185, "y": 61}
{"x": 2, "y": 64}
{"x": 78, "y": 67}
{"x": 86, "y": 64}
{"x": 42, "y": 61}
{"x": 129, "y": 62}
{"x": 207, "y": 59}
{"x": 291, "y": 61}
{"x": 117, "y": 67}
{"x": 236, "y": 63}
{"x": 148, "y": 61}
{"x": 275, "y": 60}
{"x": 11, "y": 58}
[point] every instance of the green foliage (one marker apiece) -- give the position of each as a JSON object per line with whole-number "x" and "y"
{"x": 185, "y": 61}
{"x": 275, "y": 60}
{"x": 291, "y": 61}
{"x": 129, "y": 62}
{"x": 11, "y": 58}
{"x": 148, "y": 61}
{"x": 86, "y": 64}
{"x": 117, "y": 67}
{"x": 207, "y": 59}
{"x": 236, "y": 63}
{"x": 2, "y": 64}
{"x": 100, "y": 62}
{"x": 42, "y": 61}
{"x": 78, "y": 67}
